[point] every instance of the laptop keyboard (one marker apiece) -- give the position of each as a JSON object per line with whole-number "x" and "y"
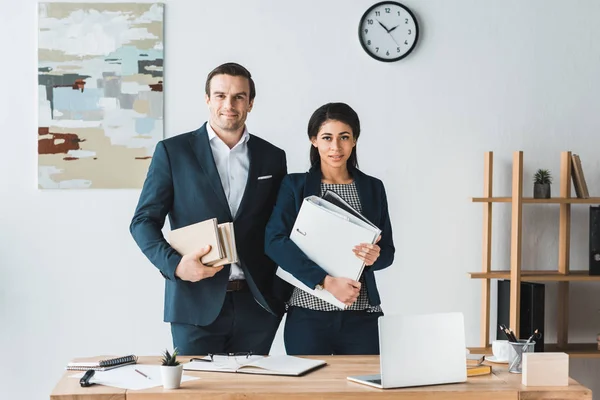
{"x": 377, "y": 381}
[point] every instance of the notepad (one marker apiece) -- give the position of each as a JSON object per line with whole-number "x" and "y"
{"x": 102, "y": 365}
{"x": 221, "y": 238}
{"x": 272, "y": 365}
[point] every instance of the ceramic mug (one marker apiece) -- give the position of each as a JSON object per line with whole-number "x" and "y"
{"x": 501, "y": 350}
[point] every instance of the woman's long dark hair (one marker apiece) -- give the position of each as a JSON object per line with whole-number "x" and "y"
{"x": 337, "y": 112}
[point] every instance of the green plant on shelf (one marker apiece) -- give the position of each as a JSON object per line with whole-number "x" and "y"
{"x": 542, "y": 177}
{"x": 541, "y": 184}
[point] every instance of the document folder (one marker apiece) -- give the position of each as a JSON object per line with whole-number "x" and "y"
{"x": 327, "y": 233}
{"x": 193, "y": 237}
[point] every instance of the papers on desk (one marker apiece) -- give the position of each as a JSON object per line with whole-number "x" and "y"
{"x": 272, "y": 365}
{"x": 326, "y": 230}
{"x": 126, "y": 377}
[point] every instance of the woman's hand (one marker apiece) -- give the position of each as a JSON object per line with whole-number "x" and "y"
{"x": 367, "y": 252}
{"x": 344, "y": 289}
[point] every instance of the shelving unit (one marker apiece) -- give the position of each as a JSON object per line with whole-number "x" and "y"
{"x": 562, "y": 275}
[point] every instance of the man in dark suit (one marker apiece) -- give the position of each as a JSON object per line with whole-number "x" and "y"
{"x": 222, "y": 171}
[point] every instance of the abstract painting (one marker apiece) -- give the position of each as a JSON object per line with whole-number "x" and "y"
{"x": 100, "y": 93}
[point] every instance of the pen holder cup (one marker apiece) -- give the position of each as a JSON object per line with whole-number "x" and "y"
{"x": 515, "y": 360}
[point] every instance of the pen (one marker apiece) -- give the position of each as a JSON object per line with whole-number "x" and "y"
{"x": 535, "y": 334}
{"x": 509, "y": 334}
{"x": 504, "y": 330}
{"x": 512, "y": 335}
{"x": 200, "y": 359}
{"x": 143, "y": 374}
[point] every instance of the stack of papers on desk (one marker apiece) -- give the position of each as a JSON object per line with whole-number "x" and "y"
{"x": 127, "y": 378}
{"x": 273, "y": 365}
{"x": 326, "y": 230}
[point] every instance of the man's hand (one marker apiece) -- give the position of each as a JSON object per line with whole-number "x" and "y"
{"x": 344, "y": 289}
{"x": 191, "y": 269}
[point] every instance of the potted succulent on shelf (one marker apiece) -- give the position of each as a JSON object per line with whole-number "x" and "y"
{"x": 171, "y": 370}
{"x": 541, "y": 184}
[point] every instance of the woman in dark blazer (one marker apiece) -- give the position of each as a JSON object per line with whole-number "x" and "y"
{"x": 314, "y": 326}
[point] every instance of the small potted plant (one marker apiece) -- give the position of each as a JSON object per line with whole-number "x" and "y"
{"x": 171, "y": 370}
{"x": 541, "y": 184}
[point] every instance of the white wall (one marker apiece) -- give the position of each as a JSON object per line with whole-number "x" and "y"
{"x": 486, "y": 75}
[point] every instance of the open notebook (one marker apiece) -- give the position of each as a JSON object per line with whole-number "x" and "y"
{"x": 272, "y": 365}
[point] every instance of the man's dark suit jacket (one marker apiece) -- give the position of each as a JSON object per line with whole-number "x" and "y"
{"x": 294, "y": 188}
{"x": 183, "y": 183}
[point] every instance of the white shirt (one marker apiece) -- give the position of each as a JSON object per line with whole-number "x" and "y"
{"x": 232, "y": 165}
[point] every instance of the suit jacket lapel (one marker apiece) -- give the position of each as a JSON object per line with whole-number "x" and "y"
{"x": 255, "y": 160}
{"x": 366, "y": 198}
{"x": 312, "y": 186}
{"x": 201, "y": 147}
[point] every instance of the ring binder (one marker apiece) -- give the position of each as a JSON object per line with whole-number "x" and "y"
{"x": 341, "y": 228}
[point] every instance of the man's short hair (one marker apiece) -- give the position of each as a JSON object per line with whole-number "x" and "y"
{"x": 232, "y": 69}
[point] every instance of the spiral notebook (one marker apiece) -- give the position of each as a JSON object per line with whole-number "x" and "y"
{"x": 102, "y": 365}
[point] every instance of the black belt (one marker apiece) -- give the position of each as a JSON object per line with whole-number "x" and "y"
{"x": 236, "y": 286}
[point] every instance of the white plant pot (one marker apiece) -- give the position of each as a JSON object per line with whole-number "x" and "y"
{"x": 171, "y": 376}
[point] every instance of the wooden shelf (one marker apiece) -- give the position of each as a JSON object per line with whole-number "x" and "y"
{"x": 562, "y": 274}
{"x": 539, "y": 276}
{"x": 531, "y": 200}
{"x": 491, "y": 199}
{"x": 575, "y": 350}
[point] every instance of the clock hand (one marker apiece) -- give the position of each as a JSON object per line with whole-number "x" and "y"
{"x": 393, "y": 28}
{"x": 383, "y": 26}
{"x": 394, "y": 38}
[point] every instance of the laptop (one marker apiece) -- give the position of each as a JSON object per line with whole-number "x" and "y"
{"x": 419, "y": 350}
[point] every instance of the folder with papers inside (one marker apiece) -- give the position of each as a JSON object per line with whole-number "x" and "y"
{"x": 327, "y": 233}
{"x": 193, "y": 237}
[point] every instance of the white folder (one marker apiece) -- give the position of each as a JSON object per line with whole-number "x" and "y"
{"x": 327, "y": 234}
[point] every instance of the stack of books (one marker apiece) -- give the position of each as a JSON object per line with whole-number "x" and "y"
{"x": 220, "y": 237}
{"x": 475, "y": 366}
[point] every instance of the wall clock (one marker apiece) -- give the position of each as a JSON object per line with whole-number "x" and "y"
{"x": 388, "y": 31}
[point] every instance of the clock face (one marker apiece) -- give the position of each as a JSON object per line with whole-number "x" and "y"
{"x": 388, "y": 31}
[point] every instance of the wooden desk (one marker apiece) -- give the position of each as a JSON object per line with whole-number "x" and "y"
{"x": 326, "y": 383}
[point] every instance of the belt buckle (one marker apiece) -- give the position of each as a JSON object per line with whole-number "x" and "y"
{"x": 234, "y": 286}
